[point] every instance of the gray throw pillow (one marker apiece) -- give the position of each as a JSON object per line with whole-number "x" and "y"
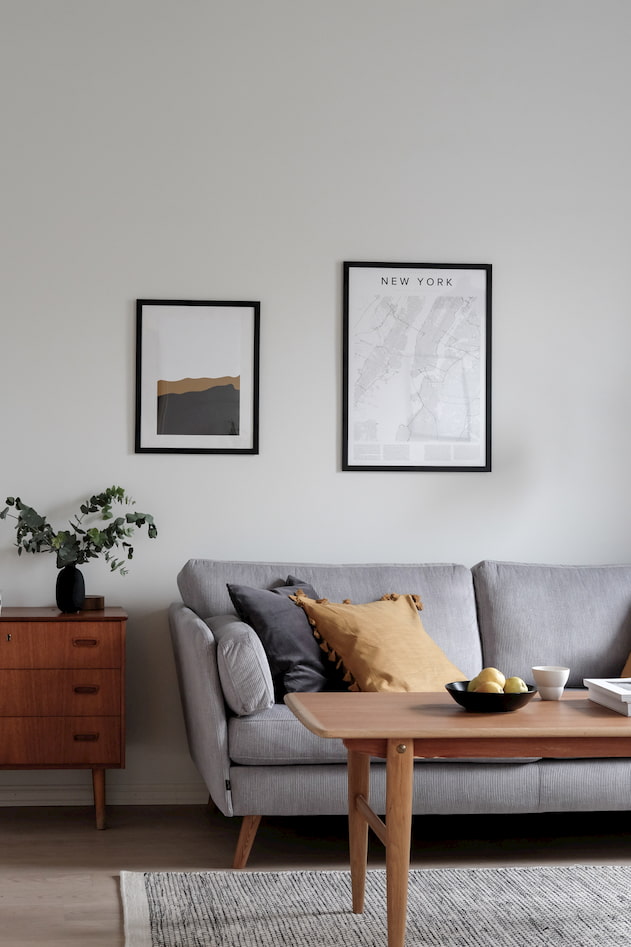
{"x": 295, "y": 658}
{"x": 244, "y": 671}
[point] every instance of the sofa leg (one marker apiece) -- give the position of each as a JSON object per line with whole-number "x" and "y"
{"x": 249, "y": 827}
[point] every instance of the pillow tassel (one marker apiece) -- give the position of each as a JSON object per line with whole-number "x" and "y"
{"x": 394, "y": 597}
{"x": 333, "y": 656}
{"x": 326, "y": 647}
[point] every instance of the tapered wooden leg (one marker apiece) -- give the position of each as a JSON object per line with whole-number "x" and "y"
{"x": 399, "y": 776}
{"x": 358, "y": 785}
{"x": 249, "y": 827}
{"x": 98, "y": 791}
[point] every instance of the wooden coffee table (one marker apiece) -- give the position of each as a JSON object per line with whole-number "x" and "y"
{"x": 399, "y": 727}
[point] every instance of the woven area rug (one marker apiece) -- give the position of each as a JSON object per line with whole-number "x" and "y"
{"x": 573, "y": 906}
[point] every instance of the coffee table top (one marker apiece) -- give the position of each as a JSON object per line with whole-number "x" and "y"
{"x": 360, "y": 716}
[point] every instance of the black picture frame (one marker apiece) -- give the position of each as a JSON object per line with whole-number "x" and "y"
{"x": 197, "y": 376}
{"x": 416, "y": 385}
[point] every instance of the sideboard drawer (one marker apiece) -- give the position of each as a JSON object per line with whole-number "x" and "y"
{"x": 61, "y": 645}
{"x": 60, "y": 741}
{"x": 60, "y": 693}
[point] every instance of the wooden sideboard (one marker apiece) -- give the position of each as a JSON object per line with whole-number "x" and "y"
{"x": 62, "y": 692}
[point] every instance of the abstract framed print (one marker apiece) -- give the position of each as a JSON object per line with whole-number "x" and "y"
{"x": 197, "y": 376}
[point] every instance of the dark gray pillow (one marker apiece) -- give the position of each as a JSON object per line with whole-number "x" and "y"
{"x": 296, "y": 661}
{"x": 293, "y": 585}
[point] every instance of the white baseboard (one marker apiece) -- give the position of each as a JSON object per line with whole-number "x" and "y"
{"x": 73, "y": 795}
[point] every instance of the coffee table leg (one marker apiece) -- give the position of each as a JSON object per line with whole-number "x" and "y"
{"x": 399, "y": 781}
{"x": 358, "y": 785}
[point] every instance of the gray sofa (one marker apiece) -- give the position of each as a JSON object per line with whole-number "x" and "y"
{"x": 257, "y": 759}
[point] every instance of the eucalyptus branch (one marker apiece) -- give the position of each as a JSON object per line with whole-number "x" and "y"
{"x": 77, "y": 545}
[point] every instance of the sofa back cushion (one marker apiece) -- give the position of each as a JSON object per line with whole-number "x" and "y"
{"x": 575, "y": 616}
{"x": 446, "y": 590}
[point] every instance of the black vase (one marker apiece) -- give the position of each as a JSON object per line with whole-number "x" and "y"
{"x": 70, "y": 590}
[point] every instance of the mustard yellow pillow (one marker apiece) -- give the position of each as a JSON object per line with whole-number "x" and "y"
{"x": 381, "y": 645}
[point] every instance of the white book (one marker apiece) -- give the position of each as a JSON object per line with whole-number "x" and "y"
{"x": 612, "y": 703}
{"x": 616, "y": 688}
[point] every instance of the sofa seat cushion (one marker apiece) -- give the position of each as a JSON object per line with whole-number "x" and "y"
{"x": 275, "y": 737}
{"x": 382, "y": 645}
{"x": 574, "y": 616}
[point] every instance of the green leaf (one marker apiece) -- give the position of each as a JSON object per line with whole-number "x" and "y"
{"x": 31, "y": 518}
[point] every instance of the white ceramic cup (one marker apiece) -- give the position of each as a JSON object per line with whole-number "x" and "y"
{"x": 550, "y": 680}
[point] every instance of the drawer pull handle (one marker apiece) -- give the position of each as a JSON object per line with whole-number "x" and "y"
{"x": 86, "y": 737}
{"x": 85, "y": 642}
{"x": 86, "y": 689}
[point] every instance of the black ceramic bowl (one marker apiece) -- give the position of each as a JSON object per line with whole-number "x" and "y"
{"x": 488, "y": 703}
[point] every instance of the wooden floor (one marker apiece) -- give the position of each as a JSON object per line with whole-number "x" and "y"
{"x": 59, "y": 876}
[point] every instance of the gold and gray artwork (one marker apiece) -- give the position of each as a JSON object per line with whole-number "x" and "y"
{"x": 199, "y": 405}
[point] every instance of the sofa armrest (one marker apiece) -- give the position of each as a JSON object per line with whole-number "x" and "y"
{"x": 195, "y": 652}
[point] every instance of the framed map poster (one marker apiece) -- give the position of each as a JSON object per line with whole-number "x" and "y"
{"x": 417, "y": 367}
{"x": 197, "y": 376}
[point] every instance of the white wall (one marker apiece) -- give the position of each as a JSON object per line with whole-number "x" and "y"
{"x": 242, "y": 150}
